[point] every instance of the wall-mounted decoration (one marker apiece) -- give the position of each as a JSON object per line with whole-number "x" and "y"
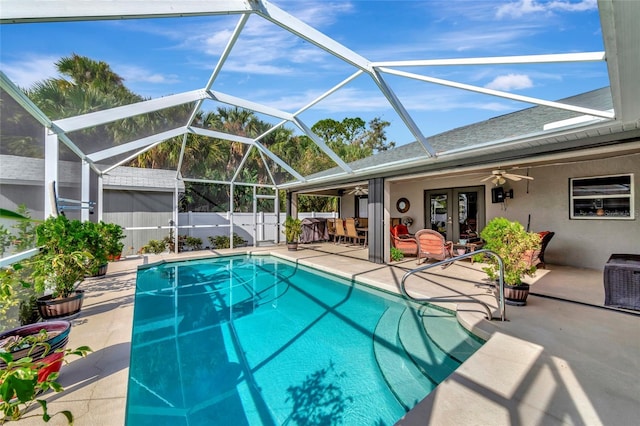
{"x": 402, "y": 205}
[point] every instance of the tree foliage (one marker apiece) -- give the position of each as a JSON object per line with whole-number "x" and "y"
{"x": 91, "y": 85}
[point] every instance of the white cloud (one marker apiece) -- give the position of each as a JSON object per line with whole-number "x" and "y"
{"x": 135, "y": 74}
{"x": 510, "y": 82}
{"x": 526, "y": 7}
{"x": 30, "y": 70}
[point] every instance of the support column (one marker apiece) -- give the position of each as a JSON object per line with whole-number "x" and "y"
{"x": 100, "y": 198}
{"x": 232, "y": 186}
{"x": 85, "y": 191}
{"x": 50, "y": 171}
{"x": 175, "y": 218}
{"x": 377, "y": 224}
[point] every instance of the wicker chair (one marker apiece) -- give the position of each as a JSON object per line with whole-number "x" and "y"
{"x": 432, "y": 245}
{"x": 403, "y": 241}
{"x": 545, "y": 237}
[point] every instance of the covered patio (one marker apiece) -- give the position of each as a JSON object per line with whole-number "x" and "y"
{"x": 552, "y": 362}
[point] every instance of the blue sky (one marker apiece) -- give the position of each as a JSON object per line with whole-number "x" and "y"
{"x": 268, "y": 65}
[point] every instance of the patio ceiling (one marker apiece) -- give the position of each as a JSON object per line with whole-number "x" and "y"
{"x": 590, "y": 126}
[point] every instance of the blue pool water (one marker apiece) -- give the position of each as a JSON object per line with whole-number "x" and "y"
{"x": 261, "y": 341}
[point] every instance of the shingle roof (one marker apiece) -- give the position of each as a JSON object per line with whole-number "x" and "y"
{"x": 141, "y": 179}
{"x": 516, "y": 124}
{"x": 18, "y": 170}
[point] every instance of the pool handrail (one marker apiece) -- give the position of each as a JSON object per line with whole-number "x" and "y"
{"x": 499, "y": 298}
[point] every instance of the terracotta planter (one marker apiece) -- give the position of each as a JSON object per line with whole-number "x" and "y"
{"x": 516, "y": 295}
{"x": 59, "y": 335}
{"x": 50, "y": 308}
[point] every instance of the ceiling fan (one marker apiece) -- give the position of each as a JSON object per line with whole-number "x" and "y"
{"x": 498, "y": 177}
{"x": 358, "y": 190}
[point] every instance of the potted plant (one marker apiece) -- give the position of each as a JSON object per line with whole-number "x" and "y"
{"x": 30, "y": 359}
{"x": 292, "y": 231}
{"x": 515, "y": 246}
{"x": 94, "y": 241}
{"x": 61, "y": 265}
{"x": 113, "y": 235}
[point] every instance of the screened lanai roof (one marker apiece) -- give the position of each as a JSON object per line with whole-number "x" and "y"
{"x": 599, "y": 116}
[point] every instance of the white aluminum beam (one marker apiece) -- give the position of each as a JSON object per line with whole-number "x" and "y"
{"x": 310, "y": 34}
{"x": 241, "y": 165}
{"x": 22, "y": 99}
{"x": 279, "y": 161}
{"x": 498, "y": 93}
{"x": 140, "y": 143}
{"x": 252, "y": 106}
{"x": 134, "y": 155}
{"x": 224, "y": 182}
{"x": 402, "y": 112}
{"x": 85, "y": 189}
{"x": 220, "y": 135}
{"x": 221, "y": 61}
{"x": 21, "y": 11}
{"x": 181, "y": 157}
{"x": 118, "y": 113}
{"x": 51, "y": 163}
{"x": 322, "y": 145}
{"x": 248, "y": 141}
{"x": 498, "y": 60}
{"x": 328, "y": 92}
{"x": 266, "y": 167}
{"x": 621, "y": 35}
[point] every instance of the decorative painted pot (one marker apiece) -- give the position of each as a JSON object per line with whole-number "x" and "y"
{"x": 516, "y": 295}
{"x": 50, "y": 308}
{"x": 58, "y": 332}
{"x": 292, "y": 246}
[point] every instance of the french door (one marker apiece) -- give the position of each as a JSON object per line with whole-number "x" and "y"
{"x": 456, "y": 213}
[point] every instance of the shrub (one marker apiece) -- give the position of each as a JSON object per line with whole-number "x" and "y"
{"x": 222, "y": 241}
{"x": 396, "y": 254}
{"x": 511, "y": 242}
{"x": 154, "y": 246}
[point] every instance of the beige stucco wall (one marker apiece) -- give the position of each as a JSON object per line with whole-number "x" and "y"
{"x": 579, "y": 243}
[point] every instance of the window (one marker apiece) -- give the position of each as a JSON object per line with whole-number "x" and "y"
{"x": 362, "y": 206}
{"x": 602, "y": 197}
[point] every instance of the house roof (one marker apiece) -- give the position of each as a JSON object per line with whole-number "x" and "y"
{"x": 133, "y": 178}
{"x": 16, "y": 170}
{"x": 513, "y": 126}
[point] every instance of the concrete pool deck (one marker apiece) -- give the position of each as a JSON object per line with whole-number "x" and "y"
{"x": 562, "y": 359}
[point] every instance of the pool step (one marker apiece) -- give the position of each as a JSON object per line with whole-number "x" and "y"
{"x": 404, "y": 379}
{"x": 430, "y": 359}
{"x": 444, "y": 330}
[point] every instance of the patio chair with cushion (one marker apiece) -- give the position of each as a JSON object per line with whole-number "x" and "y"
{"x": 432, "y": 245}
{"x": 405, "y": 243}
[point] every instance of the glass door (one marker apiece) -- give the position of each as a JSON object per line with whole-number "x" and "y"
{"x": 456, "y": 213}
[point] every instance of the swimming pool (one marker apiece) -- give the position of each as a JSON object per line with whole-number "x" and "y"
{"x": 243, "y": 340}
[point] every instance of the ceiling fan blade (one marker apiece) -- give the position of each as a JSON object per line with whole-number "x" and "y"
{"x": 487, "y": 178}
{"x": 517, "y": 177}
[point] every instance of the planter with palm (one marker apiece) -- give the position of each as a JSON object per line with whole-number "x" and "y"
{"x": 292, "y": 232}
